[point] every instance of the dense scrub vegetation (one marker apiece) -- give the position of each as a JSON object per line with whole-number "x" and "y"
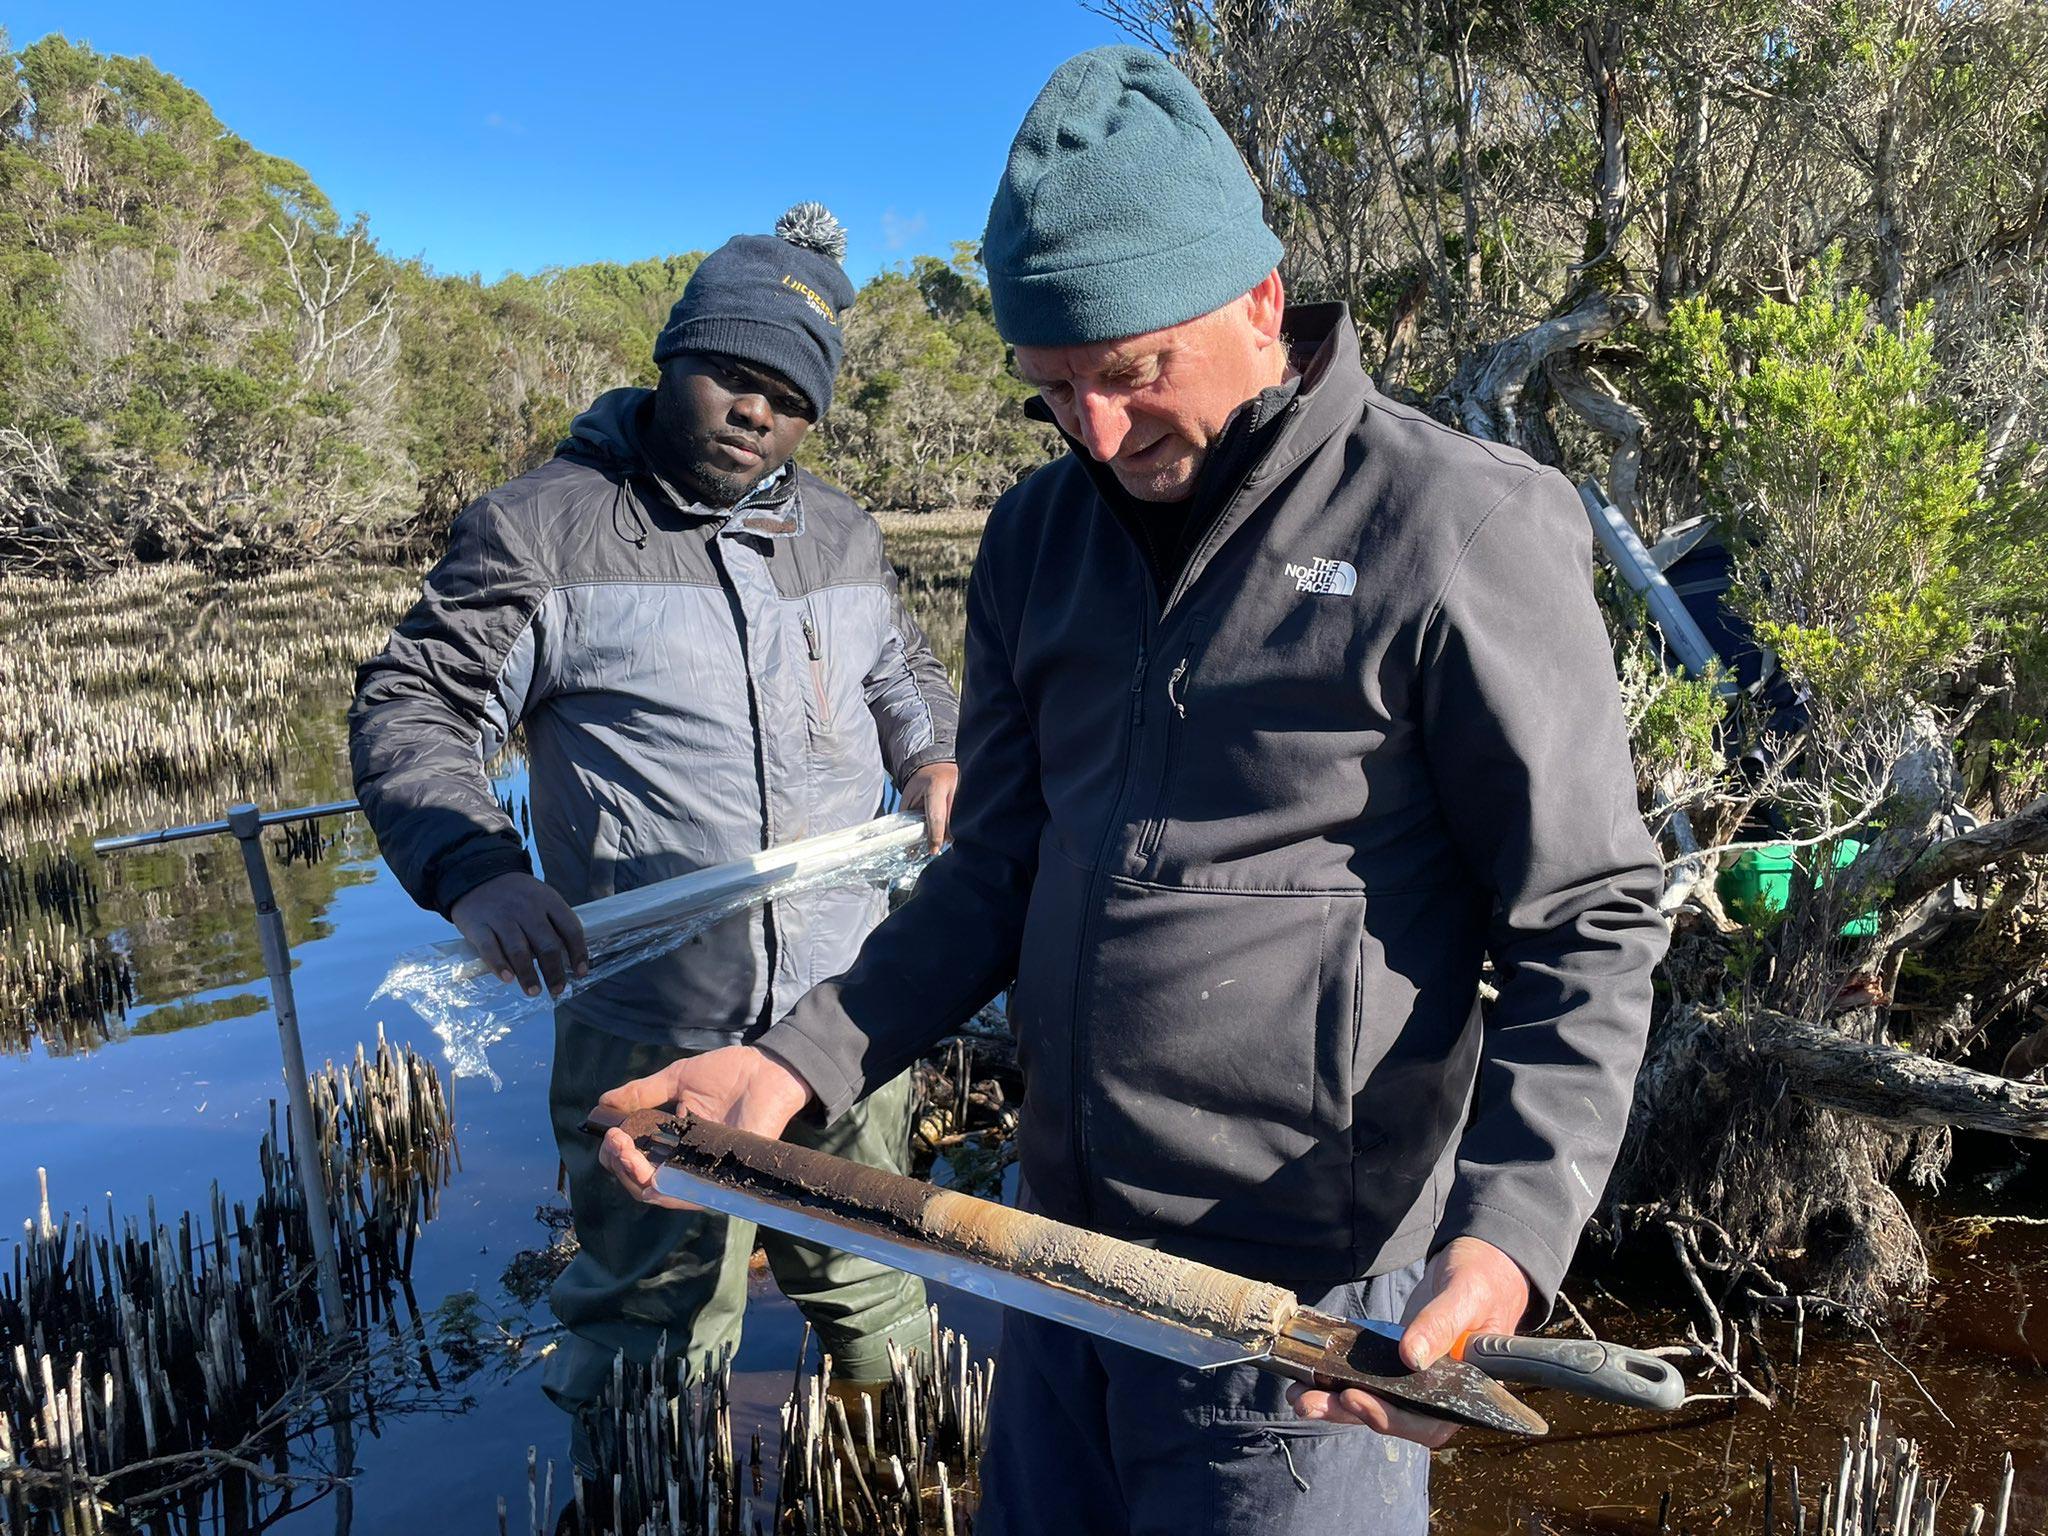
{"x": 201, "y": 359}
{"x": 1784, "y": 264}
{"x": 1777, "y": 264}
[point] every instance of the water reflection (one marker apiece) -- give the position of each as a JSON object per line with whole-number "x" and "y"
{"x": 152, "y": 699}
{"x": 185, "y": 1092}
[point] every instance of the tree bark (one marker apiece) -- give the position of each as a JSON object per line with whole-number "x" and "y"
{"x": 1894, "y": 239}
{"x": 1601, "y": 46}
{"x": 1677, "y": 240}
{"x": 1895, "y": 1087}
{"x": 1402, "y": 332}
{"x": 1486, "y": 394}
{"x": 2022, "y": 832}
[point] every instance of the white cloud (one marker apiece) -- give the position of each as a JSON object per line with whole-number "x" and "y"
{"x": 898, "y": 231}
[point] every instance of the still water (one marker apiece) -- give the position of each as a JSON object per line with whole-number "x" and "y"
{"x": 174, "y": 1096}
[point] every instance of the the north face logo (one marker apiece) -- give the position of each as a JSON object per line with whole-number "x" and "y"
{"x": 1331, "y": 578}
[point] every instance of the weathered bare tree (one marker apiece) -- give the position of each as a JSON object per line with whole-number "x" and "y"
{"x": 332, "y": 314}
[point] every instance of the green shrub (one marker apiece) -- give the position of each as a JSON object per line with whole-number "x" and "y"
{"x": 1846, "y": 485}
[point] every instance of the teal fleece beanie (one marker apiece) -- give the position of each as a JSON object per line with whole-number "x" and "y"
{"x": 1124, "y": 208}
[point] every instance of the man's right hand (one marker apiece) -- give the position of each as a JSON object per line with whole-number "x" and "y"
{"x": 516, "y": 924}
{"x": 736, "y": 1085}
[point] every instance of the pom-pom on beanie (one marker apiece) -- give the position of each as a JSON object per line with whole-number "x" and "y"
{"x": 777, "y": 300}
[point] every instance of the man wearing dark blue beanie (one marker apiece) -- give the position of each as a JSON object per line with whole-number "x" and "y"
{"x": 707, "y": 654}
{"x": 777, "y": 300}
{"x": 1288, "y": 708}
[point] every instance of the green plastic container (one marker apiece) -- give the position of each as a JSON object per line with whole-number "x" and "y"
{"x": 1759, "y": 884}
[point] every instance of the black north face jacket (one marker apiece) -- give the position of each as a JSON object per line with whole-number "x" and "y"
{"x": 1244, "y": 852}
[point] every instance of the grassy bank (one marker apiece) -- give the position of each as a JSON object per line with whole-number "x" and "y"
{"x": 146, "y": 694}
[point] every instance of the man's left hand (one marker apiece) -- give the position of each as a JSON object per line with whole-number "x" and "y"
{"x": 930, "y": 790}
{"x": 1469, "y": 1287}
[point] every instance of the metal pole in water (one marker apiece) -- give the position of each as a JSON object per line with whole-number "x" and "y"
{"x": 246, "y": 823}
{"x": 157, "y": 835}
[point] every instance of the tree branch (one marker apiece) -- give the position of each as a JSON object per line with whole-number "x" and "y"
{"x": 1489, "y": 385}
{"x": 1597, "y": 402}
{"x": 1897, "y": 1087}
{"x": 2022, "y": 832}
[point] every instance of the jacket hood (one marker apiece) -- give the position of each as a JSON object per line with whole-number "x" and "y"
{"x": 609, "y": 436}
{"x": 608, "y": 433}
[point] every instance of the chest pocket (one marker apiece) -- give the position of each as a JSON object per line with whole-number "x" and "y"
{"x": 818, "y": 706}
{"x": 836, "y": 644}
{"x": 1182, "y": 690}
{"x": 1269, "y": 735}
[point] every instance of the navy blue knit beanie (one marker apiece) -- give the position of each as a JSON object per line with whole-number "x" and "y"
{"x": 1124, "y": 208}
{"x": 777, "y": 300}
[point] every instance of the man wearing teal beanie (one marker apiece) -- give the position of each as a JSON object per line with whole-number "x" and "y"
{"x": 1287, "y": 708}
{"x": 1125, "y": 208}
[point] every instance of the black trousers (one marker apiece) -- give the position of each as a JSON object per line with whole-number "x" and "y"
{"x": 1088, "y": 1438}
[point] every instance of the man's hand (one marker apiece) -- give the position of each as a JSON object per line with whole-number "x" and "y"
{"x": 930, "y": 790}
{"x": 737, "y": 1085}
{"x": 515, "y": 923}
{"x": 1469, "y": 1287}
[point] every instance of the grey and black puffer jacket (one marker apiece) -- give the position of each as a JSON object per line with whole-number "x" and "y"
{"x": 694, "y": 684}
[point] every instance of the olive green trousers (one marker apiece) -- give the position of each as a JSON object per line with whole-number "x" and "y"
{"x": 642, "y": 1271}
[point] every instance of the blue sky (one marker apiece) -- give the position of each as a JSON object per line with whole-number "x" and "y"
{"x": 517, "y": 136}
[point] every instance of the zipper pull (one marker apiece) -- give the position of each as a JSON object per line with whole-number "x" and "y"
{"x": 811, "y": 638}
{"x": 1138, "y": 691}
{"x": 1173, "y": 683}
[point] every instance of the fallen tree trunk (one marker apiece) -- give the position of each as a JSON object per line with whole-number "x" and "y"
{"x": 1896, "y": 1087}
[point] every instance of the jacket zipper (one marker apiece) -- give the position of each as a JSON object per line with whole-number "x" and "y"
{"x": 1153, "y": 615}
{"x": 1207, "y": 544}
{"x": 1076, "y": 1061}
{"x": 770, "y": 911}
{"x": 817, "y": 671}
{"x": 1176, "y": 697}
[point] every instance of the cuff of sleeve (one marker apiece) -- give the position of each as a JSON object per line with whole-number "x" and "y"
{"x": 817, "y": 1064}
{"x": 485, "y": 860}
{"x": 937, "y": 752}
{"x": 1539, "y": 1258}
